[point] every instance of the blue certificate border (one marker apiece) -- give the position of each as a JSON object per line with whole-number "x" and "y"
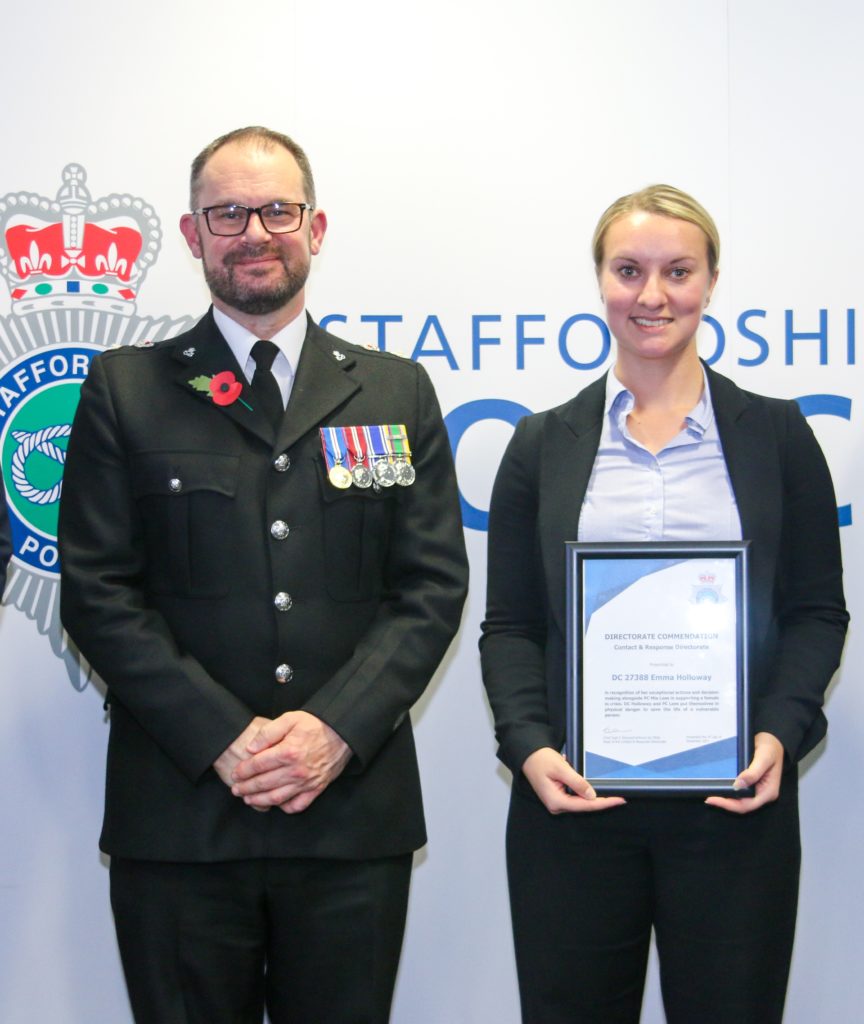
{"x": 627, "y": 563}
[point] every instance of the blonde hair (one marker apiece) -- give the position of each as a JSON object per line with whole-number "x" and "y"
{"x": 666, "y": 201}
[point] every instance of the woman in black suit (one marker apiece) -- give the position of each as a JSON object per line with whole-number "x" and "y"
{"x": 662, "y": 448}
{"x": 5, "y": 538}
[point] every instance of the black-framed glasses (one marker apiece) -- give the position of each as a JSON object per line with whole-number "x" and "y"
{"x": 278, "y": 218}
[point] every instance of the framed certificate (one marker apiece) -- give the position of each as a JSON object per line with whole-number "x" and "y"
{"x": 657, "y": 698}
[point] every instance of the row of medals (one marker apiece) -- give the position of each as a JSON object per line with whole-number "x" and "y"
{"x": 382, "y": 473}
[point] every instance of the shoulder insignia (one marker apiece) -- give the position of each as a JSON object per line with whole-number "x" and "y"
{"x": 372, "y": 347}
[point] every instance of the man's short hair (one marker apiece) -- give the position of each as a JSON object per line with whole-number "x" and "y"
{"x": 265, "y": 138}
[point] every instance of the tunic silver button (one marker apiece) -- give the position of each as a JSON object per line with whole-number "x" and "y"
{"x": 175, "y": 484}
{"x": 284, "y": 673}
{"x": 279, "y": 530}
{"x": 282, "y": 601}
{"x": 282, "y": 463}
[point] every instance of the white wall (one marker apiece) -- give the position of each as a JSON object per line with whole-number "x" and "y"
{"x": 463, "y": 152}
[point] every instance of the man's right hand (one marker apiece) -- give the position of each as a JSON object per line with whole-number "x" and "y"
{"x": 228, "y": 760}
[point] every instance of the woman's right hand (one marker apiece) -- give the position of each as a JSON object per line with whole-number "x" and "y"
{"x": 551, "y": 776}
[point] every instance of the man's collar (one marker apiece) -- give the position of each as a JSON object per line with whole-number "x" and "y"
{"x": 240, "y": 339}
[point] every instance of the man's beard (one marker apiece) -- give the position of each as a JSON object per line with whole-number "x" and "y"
{"x": 252, "y": 298}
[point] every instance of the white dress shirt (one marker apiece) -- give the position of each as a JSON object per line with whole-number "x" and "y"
{"x": 289, "y": 341}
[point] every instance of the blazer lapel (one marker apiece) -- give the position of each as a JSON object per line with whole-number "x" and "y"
{"x": 204, "y": 354}
{"x": 572, "y": 434}
{"x": 322, "y": 383}
{"x": 751, "y": 462}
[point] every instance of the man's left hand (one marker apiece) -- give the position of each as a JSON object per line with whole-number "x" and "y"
{"x": 292, "y": 761}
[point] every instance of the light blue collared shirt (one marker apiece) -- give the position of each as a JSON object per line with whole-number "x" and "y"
{"x": 683, "y": 493}
{"x": 289, "y": 341}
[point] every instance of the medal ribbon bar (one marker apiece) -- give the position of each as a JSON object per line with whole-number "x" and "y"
{"x": 337, "y": 473}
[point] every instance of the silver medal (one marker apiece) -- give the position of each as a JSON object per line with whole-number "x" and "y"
{"x": 385, "y": 473}
{"x": 362, "y": 475}
{"x": 405, "y": 473}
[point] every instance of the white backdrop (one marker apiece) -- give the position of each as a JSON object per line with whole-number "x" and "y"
{"x": 463, "y": 152}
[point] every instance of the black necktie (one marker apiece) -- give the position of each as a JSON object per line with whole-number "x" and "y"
{"x": 268, "y": 397}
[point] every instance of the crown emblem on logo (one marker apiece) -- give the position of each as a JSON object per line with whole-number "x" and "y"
{"x": 74, "y": 252}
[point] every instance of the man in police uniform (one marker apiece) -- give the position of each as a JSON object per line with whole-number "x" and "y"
{"x": 263, "y": 622}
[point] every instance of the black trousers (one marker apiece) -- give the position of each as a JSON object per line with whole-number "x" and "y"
{"x": 315, "y": 941}
{"x": 719, "y": 890}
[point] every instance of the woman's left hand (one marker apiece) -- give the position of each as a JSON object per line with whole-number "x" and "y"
{"x": 763, "y": 773}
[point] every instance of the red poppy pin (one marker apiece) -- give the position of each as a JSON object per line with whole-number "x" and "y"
{"x": 224, "y": 388}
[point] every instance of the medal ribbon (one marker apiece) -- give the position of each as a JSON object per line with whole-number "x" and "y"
{"x": 364, "y": 445}
{"x": 330, "y": 446}
{"x": 378, "y": 448}
{"x": 398, "y": 437}
{"x": 356, "y": 445}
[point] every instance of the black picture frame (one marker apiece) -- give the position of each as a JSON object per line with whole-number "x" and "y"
{"x": 701, "y": 769}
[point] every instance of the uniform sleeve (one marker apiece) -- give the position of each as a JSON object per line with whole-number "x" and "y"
{"x": 426, "y": 580}
{"x": 811, "y": 617}
{"x": 104, "y": 606}
{"x": 513, "y": 640}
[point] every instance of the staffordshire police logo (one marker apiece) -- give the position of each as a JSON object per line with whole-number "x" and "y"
{"x": 39, "y": 394}
{"x": 74, "y": 269}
